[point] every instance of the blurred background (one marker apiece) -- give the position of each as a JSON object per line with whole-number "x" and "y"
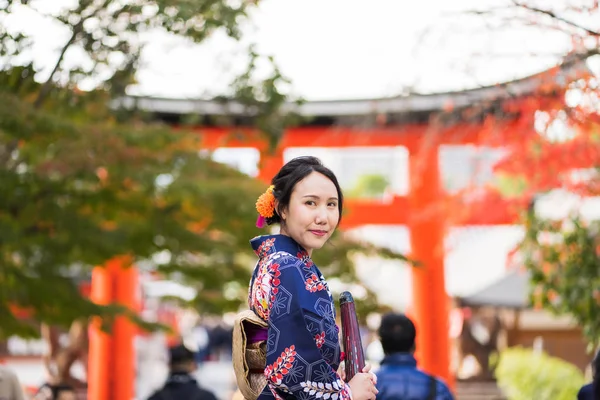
{"x": 135, "y": 137}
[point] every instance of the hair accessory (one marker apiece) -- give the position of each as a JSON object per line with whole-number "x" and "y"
{"x": 265, "y": 205}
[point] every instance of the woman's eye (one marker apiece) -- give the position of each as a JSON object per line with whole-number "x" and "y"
{"x": 332, "y": 205}
{"x": 310, "y": 203}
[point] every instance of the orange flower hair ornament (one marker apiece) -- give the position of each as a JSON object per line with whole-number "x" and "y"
{"x": 265, "y": 205}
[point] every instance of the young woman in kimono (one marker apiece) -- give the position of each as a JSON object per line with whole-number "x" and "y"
{"x": 288, "y": 291}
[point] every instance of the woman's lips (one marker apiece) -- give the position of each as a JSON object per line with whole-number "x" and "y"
{"x": 319, "y": 233}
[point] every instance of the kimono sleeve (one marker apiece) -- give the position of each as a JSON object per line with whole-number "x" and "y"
{"x": 295, "y": 364}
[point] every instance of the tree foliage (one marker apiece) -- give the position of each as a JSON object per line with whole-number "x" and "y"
{"x": 83, "y": 182}
{"x": 562, "y": 255}
{"x": 563, "y": 258}
{"x": 109, "y": 34}
{"x": 79, "y": 193}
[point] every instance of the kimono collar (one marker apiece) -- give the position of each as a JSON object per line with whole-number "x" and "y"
{"x": 266, "y": 245}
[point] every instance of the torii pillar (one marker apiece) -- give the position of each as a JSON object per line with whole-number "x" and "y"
{"x": 111, "y": 369}
{"x": 430, "y": 305}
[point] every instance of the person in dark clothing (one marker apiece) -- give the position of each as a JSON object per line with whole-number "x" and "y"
{"x": 399, "y": 378}
{"x": 63, "y": 392}
{"x": 180, "y": 383}
{"x": 591, "y": 391}
{"x": 55, "y": 392}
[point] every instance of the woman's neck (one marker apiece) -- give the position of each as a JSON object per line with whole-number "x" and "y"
{"x": 282, "y": 231}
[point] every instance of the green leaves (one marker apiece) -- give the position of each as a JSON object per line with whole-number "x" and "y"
{"x": 564, "y": 260}
{"x": 108, "y": 36}
{"x": 524, "y": 374}
{"x": 369, "y": 186}
{"x": 82, "y": 182}
{"x": 265, "y": 100}
{"x": 77, "y": 194}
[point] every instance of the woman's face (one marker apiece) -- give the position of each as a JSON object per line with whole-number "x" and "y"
{"x": 312, "y": 215}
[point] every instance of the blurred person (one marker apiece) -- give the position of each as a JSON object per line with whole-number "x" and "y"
{"x": 180, "y": 383}
{"x": 399, "y": 378}
{"x": 219, "y": 344}
{"x": 10, "y": 387}
{"x": 591, "y": 391}
{"x": 292, "y": 312}
{"x": 200, "y": 335}
{"x": 63, "y": 392}
{"x": 55, "y": 392}
{"x": 44, "y": 392}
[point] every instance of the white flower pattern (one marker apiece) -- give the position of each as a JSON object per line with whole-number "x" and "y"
{"x": 327, "y": 390}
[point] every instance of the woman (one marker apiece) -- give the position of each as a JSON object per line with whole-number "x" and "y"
{"x": 591, "y": 391}
{"x": 289, "y": 293}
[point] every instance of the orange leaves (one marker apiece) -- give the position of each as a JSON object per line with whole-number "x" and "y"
{"x": 102, "y": 174}
{"x": 108, "y": 225}
{"x": 548, "y": 165}
{"x": 198, "y": 227}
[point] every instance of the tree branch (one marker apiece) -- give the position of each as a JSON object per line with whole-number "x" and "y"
{"x": 45, "y": 89}
{"x": 77, "y": 29}
{"x": 556, "y": 17}
{"x": 487, "y": 11}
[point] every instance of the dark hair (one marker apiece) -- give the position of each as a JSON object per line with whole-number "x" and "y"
{"x": 397, "y": 333}
{"x": 58, "y": 389}
{"x": 180, "y": 354}
{"x": 292, "y": 173}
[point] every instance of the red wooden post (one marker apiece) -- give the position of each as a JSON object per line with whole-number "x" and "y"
{"x": 111, "y": 357}
{"x": 99, "y": 359}
{"x": 123, "y": 353}
{"x": 430, "y": 302}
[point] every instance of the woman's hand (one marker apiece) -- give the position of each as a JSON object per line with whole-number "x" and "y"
{"x": 363, "y": 384}
{"x": 367, "y": 370}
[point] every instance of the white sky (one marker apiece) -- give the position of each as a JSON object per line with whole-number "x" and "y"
{"x": 333, "y": 49}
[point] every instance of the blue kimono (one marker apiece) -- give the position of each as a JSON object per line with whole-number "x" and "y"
{"x": 288, "y": 291}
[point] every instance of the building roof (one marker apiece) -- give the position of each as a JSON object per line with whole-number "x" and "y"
{"x": 405, "y": 104}
{"x": 511, "y": 291}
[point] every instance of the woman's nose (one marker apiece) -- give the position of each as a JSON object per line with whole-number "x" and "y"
{"x": 321, "y": 216}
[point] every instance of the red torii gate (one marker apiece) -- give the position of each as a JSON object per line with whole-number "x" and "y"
{"x": 112, "y": 369}
{"x": 420, "y": 210}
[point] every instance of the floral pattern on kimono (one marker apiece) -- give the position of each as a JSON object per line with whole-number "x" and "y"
{"x": 289, "y": 292}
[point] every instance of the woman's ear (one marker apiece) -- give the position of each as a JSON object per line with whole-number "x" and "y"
{"x": 280, "y": 212}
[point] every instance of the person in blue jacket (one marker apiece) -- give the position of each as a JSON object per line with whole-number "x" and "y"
{"x": 399, "y": 378}
{"x": 591, "y": 391}
{"x": 288, "y": 291}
